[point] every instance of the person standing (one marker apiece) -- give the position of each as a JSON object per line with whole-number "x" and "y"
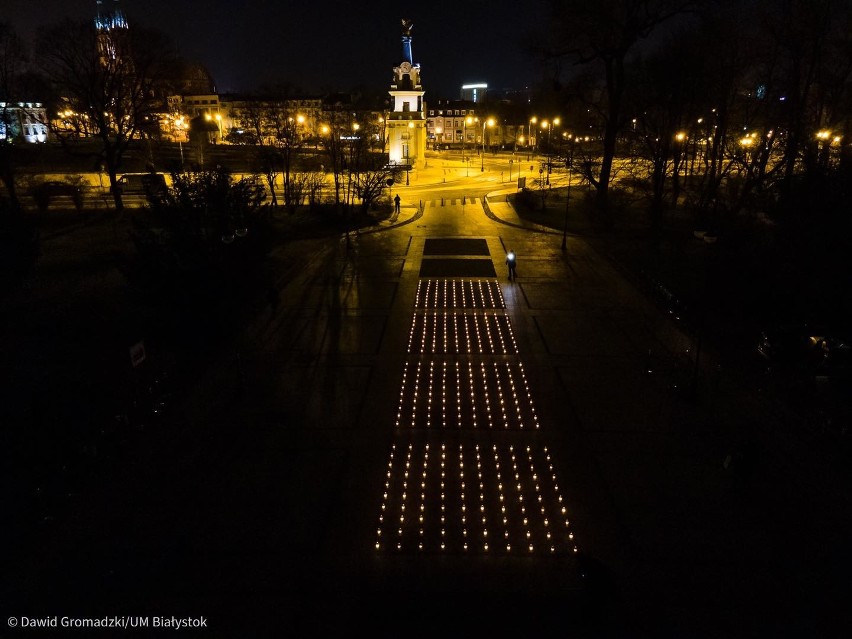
{"x": 396, "y": 201}
{"x": 511, "y": 262}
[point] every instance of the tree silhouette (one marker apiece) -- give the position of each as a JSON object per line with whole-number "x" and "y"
{"x": 110, "y": 93}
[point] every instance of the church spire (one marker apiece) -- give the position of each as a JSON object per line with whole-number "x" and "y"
{"x": 112, "y": 32}
{"x": 109, "y": 15}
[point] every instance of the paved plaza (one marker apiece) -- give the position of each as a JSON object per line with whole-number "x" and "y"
{"x": 410, "y": 443}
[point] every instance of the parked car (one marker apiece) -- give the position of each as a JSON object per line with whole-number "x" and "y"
{"x": 149, "y": 184}
{"x": 806, "y": 351}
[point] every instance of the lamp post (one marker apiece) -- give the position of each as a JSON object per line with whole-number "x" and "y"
{"x": 218, "y": 119}
{"x": 407, "y": 156}
{"x": 568, "y": 192}
{"x": 825, "y": 139}
{"x": 350, "y": 196}
{"x": 180, "y": 125}
{"x": 467, "y": 120}
{"x": 532, "y": 121}
{"x": 488, "y": 122}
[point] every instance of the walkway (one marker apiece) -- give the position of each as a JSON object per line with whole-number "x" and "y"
{"x": 402, "y": 376}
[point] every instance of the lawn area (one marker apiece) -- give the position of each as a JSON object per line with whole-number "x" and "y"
{"x": 70, "y": 324}
{"x": 754, "y": 275}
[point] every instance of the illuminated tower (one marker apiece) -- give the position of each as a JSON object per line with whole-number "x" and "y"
{"x": 406, "y": 125}
{"x": 112, "y": 30}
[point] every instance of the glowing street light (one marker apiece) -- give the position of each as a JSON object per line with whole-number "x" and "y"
{"x": 469, "y": 120}
{"x": 570, "y": 164}
{"x": 218, "y": 119}
{"x": 488, "y": 122}
{"x": 549, "y": 126}
{"x": 181, "y": 126}
{"x": 533, "y": 120}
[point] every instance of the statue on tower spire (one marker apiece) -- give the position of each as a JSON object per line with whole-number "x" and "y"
{"x": 407, "y": 25}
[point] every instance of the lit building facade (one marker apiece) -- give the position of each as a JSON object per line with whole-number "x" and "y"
{"x": 474, "y": 92}
{"x": 447, "y": 123}
{"x": 26, "y": 121}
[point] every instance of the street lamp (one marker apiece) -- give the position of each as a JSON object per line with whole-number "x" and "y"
{"x": 180, "y": 125}
{"x": 350, "y": 195}
{"x": 467, "y": 120}
{"x": 549, "y": 127}
{"x": 568, "y": 191}
{"x": 218, "y": 119}
{"x": 530, "y": 124}
{"x": 407, "y": 160}
{"x": 488, "y": 122}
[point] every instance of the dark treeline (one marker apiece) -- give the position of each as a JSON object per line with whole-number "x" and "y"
{"x": 722, "y": 106}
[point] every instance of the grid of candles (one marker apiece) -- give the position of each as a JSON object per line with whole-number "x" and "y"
{"x": 463, "y": 375}
{"x": 473, "y": 498}
{"x": 465, "y": 394}
{"x": 459, "y": 294}
{"x": 487, "y": 333}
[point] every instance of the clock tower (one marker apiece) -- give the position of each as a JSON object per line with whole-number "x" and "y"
{"x": 406, "y": 122}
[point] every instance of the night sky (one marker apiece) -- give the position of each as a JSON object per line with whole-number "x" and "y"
{"x": 334, "y": 45}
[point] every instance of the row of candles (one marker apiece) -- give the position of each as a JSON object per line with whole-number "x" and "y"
{"x": 486, "y": 333}
{"x": 447, "y": 293}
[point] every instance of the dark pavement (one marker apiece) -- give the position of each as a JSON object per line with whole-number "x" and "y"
{"x": 276, "y": 511}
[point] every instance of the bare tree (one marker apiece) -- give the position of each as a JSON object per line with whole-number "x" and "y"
{"x": 371, "y": 182}
{"x": 666, "y": 103}
{"x": 255, "y": 117}
{"x": 289, "y": 139}
{"x": 314, "y": 188}
{"x": 334, "y": 143}
{"x": 111, "y": 80}
{"x": 605, "y": 34}
{"x": 813, "y": 47}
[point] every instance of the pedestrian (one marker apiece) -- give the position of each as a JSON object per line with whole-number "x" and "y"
{"x": 511, "y": 262}
{"x": 396, "y": 201}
